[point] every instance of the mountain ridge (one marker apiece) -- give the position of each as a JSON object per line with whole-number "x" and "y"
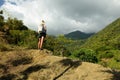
{"x": 106, "y": 44}
{"x": 107, "y": 36}
{"x": 78, "y": 35}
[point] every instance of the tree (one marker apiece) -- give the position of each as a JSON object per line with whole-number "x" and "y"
{"x": 15, "y": 24}
{"x": 1, "y": 21}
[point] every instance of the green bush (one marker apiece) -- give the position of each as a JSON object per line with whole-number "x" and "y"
{"x": 114, "y": 64}
{"x": 86, "y": 55}
{"x": 24, "y": 38}
{"x": 57, "y": 45}
{"x": 104, "y": 48}
{"x": 50, "y": 43}
{"x": 106, "y": 54}
{"x": 117, "y": 57}
{"x": 28, "y": 39}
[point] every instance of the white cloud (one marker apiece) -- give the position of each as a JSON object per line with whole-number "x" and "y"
{"x": 63, "y": 16}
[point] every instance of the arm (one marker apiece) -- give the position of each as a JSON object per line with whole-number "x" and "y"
{"x": 39, "y": 28}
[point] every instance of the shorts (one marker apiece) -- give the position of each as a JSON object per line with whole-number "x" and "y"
{"x": 41, "y": 34}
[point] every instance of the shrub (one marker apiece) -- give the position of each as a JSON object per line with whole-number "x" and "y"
{"x": 106, "y": 54}
{"x": 114, "y": 64}
{"x": 24, "y": 38}
{"x": 87, "y": 55}
{"x": 117, "y": 57}
{"x": 50, "y": 43}
{"x": 104, "y": 48}
{"x": 57, "y": 45}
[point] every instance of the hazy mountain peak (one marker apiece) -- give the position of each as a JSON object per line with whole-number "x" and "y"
{"x": 78, "y": 35}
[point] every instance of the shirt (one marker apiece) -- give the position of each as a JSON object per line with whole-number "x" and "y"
{"x": 41, "y": 28}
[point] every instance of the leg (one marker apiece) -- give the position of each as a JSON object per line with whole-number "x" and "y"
{"x": 41, "y": 42}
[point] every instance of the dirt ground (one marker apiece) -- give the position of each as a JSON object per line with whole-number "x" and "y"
{"x": 42, "y": 65}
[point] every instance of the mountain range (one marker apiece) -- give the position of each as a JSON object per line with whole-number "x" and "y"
{"x": 78, "y": 35}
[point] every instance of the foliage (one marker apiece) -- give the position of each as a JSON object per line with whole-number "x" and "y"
{"x": 15, "y": 32}
{"x": 61, "y": 45}
{"x": 109, "y": 36}
{"x": 106, "y": 44}
{"x": 1, "y": 22}
{"x": 26, "y": 38}
{"x": 49, "y": 42}
{"x": 15, "y": 24}
{"x": 110, "y": 59}
{"x": 113, "y": 64}
{"x": 87, "y": 55}
{"x": 105, "y": 54}
{"x": 57, "y": 45}
{"x": 117, "y": 56}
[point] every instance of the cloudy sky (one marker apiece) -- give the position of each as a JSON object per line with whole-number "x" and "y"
{"x": 64, "y": 16}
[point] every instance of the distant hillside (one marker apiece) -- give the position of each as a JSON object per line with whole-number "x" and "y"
{"x": 108, "y": 37}
{"x": 106, "y": 44}
{"x": 40, "y": 65}
{"x": 78, "y": 35}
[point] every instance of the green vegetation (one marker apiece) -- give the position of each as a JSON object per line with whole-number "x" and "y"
{"x": 87, "y": 55}
{"x": 108, "y": 37}
{"x": 61, "y": 45}
{"x": 14, "y": 32}
{"x": 106, "y": 44}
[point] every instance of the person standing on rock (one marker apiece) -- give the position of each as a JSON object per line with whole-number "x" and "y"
{"x": 41, "y": 34}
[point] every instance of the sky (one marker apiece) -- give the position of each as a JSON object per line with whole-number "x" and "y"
{"x": 63, "y": 16}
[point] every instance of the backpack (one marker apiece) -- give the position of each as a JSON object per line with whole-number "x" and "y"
{"x": 43, "y": 30}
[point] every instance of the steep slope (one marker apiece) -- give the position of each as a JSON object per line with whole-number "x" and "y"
{"x": 78, "y": 35}
{"x": 41, "y": 65}
{"x": 109, "y": 37}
